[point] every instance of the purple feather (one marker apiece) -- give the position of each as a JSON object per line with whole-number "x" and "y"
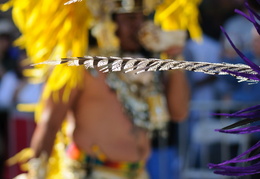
{"x": 248, "y": 76}
{"x": 251, "y": 112}
{"x": 237, "y": 158}
{"x": 250, "y": 115}
{"x": 239, "y": 171}
{"x": 246, "y": 60}
{"x": 245, "y": 130}
{"x": 252, "y": 17}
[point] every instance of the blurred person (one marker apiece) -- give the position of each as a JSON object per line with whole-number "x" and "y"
{"x": 9, "y": 78}
{"x": 27, "y": 92}
{"x": 106, "y": 139}
{"x": 21, "y": 122}
{"x": 203, "y": 86}
{"x": 239, "y": 28}
{"x": 163, "y": 161}
{"x": 8, "y": 54}
{"x": 108, "y": 116}
{"x": 204, "y": 92}
{"x": 241, "y": 92}
{"x": 214, "y": 13}
{"x": 8, "y": 63}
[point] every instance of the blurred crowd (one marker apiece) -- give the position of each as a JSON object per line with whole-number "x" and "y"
{"x": 16, "y": 89}
{"x": 15, "y": 126}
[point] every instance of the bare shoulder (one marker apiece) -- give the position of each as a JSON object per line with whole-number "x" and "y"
{"x": 94, "y": 81}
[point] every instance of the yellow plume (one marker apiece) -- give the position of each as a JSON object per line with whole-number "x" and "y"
{"x": 179, "y": 15}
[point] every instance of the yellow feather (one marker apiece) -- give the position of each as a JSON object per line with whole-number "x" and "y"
{"x": 52, "y": 30}
{"x": 179, "y": 15}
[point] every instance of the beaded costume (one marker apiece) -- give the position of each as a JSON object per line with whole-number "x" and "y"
{"x": 249, "y": 72}
{"x": 168, "y": 19}
{"x": 66, "y": 36}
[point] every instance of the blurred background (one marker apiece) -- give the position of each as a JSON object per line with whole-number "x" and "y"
{"x": 186, "y": 148}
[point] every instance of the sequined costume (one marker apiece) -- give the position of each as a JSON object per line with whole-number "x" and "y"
{"x": 79, "y": 165}
{"x": 249, "y": 72}
{"x": 66, "y": 36}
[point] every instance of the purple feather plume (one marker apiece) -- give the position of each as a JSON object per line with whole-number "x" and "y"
{"x": 250, "y": 115}
{"x": 223, "y": 169}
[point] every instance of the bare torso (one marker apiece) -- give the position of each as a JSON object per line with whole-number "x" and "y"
{"x": 99, "y": 119}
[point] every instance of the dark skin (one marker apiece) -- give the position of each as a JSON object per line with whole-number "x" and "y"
{"x": 96, "y": 117}
{"x": 128, "y": 26}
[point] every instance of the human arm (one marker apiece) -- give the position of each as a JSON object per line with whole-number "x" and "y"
{"x": 178, "y": 95}
{"x": 177, "y": 89}
{"x": 53, "y": 113}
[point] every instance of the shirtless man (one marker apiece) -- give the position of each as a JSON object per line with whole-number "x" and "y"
{"x": 98, "y": 117}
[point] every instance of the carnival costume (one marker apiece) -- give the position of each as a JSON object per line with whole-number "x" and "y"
{"x": 52, "y": 30}
{"x": 249, "y": 72}
{"x": 80, "y": 165}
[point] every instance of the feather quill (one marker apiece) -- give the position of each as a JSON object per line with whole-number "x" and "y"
{"x": 139, "y": 65}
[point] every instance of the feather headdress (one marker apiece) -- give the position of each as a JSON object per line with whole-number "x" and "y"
{"x": 64, "y": 38}
{"x": 51, "y": 30}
